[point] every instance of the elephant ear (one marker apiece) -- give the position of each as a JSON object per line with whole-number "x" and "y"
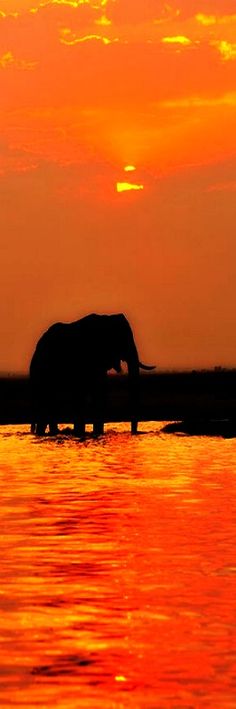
{"x": 123, "y": 319}
{"x": 123, "y": 326}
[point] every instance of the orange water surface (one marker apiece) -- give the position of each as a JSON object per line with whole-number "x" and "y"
{"x": 118, "y": 571}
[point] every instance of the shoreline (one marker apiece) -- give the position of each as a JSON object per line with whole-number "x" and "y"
{"x": 168, "y": 396}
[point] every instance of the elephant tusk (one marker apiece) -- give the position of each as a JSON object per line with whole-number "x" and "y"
{"x": 147, "y": 367}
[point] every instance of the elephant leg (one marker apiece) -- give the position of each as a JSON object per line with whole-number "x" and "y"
{"x": 79, "y": 409}
{"x": 134, "y": 426}
{"x": 53, "y": 428}
{"x": 98, "y": 427}
{"x": 99, "y": 403}
{"x": 134, "y": 407}
{"x": 39, "y": 412}
{"x": 50, "y": 405}
{"x": 79, "y": 428}
{"x": 41, "y": 428}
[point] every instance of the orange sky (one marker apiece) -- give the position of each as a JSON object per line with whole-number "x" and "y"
{"x": 88, "y": 87}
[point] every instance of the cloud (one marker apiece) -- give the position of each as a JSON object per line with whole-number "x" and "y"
{"x": 7, "y": 61}
{"x": 17, "y": 7}
{"x": 191, "y": 8}
{"x": 42, "y": 25}
{"x": 179, "y": 39}
{"x": 3, "y": 15}
{"x": 130, "y": 12}
{"x": 209, "y": 20}
{"x": 70, "y": 38}
{"x": 103, "y": 21}
{"x": 71, "y": 3}
{"x": 226, "y": 49}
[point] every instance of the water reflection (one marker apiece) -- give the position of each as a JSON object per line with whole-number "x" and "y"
{"x": 117, "y": 571}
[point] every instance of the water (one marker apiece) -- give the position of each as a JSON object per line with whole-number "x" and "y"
{"x": 118, "y": 571}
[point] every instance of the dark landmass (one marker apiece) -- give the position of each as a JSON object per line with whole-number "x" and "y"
{"x": 225, "y": 428}
{"x": 195, "y": 397}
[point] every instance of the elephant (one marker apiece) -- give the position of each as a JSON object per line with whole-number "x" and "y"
{"x": 74, "y": 358}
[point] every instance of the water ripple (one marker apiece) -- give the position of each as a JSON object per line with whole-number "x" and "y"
{"x": 117, "y": 575}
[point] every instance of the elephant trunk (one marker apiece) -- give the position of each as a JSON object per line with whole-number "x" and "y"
{"x": 134, "y": 365}
{"x": 133, "y": 372}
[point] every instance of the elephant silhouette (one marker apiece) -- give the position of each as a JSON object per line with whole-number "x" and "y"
{"x": 74, "y": 358}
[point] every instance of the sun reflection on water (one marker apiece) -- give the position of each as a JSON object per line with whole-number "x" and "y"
{"x": 117, "y": 570}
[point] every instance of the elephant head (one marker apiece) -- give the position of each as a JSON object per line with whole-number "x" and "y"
{"x": 116, "y": 343}
{"x": 122, "y": 345}
{"x": 123, "y": 348}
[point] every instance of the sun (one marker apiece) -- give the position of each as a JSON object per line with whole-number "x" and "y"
{"x": 128, "y": 186}
{"x": 129, "y": 168}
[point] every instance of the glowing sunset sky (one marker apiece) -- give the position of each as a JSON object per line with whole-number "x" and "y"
{"x": 89, "y": 88}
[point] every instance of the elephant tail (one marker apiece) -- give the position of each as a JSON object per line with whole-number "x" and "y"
{"x": 147, "y": 367}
